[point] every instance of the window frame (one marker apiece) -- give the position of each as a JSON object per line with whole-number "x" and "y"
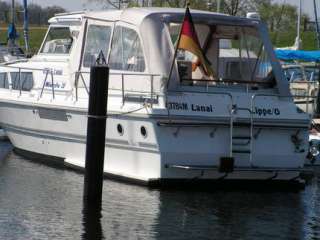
{"x": 5, "y": 80}
{"x": 13, "y": 81}
{"x": 45, "y": 38}
{"x": 85, "y": 37}
{"x": 136, "y": 30}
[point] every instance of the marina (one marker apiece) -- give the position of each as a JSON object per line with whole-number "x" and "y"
{"x": 158, "y": 123}
{"x": 157, "y": 112}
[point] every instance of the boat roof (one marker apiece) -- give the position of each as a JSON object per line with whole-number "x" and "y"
{"x": 137, "y": 15}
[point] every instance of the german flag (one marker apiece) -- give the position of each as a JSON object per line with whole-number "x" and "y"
{"x": 188, "y": 40}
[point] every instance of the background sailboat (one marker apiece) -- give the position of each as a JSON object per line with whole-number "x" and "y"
{"x": 11, "y": 51}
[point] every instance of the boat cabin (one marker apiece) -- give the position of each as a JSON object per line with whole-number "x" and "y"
{"x": 141, "y": 42}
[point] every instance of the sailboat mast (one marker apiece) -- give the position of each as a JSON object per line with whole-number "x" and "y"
{"x": 11, "y": 35}
{"x": 26, "y": 26}
{"x": 316, "y": 21}
{"x": 12, "y": 12}
{"x": 297, "y": 43}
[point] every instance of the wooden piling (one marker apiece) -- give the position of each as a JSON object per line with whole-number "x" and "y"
{"x": 96, "y": 128}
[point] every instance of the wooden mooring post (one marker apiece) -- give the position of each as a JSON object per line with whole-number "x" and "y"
{"x": 96, "y": 130}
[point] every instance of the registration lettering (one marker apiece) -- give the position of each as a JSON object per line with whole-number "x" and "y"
{"x": 186, "y": 107}
{"x": 55, "y": 85}
{"x": 183, "y": 106}
{"x": 201, "y": 108}
{"x": 267, "y": 111}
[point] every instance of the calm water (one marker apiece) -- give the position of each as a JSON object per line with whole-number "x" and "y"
{"x": 42, "y": 202}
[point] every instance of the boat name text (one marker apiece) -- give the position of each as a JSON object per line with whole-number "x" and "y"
{"x": 181, "y": 106}
{"x": 55, "y": 85}
{"x": 266, "y": 111}
{"x": 187, "y": 107}
{"x": 53, "y": 71}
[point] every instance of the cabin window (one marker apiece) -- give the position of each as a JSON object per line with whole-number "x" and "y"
{"x": 98, "y": 39}
{"x": 235, "y": 54}
{"x": 4, "y": 80}
{"x": 242, "y": 57}
{"x": 126, "y": 52}
{"x": 58, "y": 41}
{"x": 25, "y": 83}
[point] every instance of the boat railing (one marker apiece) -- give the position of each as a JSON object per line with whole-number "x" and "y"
{"x": 21, "y": 70}
{"x": 49, "y": 75}
{"x": 292, "y": 96}
{"x": 151, "y": 77}
{"x": 307, "y": 89}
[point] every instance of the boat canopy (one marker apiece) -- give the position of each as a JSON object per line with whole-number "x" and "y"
{"x": 290, "y": 55}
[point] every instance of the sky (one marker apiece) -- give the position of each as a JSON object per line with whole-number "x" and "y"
{"x": 77, "y": 5}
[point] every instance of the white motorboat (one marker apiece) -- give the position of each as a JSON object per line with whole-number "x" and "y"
{"x": 240, "y": 124}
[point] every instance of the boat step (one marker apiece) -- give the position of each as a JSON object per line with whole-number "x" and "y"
{"x": 242, "y": 124}
{"x": 241, "y": 151}
{"x": 241, "y": 144}
{"x": 242, "y": 138}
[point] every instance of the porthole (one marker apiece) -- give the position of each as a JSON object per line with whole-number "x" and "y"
{"x": 120, "y": 129}
{"x": 143, "y": 131}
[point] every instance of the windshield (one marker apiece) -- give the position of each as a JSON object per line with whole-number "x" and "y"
{"x": 236, "y": 55}
{"x": 58, "y": 41}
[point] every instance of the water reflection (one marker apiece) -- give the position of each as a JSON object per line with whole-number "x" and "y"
{"x": 129, "y": 212}
{"x": 41, "y": 202}
{"x": 92, "y": 229}
{"x": 229, "y": 215}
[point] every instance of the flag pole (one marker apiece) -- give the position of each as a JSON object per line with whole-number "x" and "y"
{"x": 175, "y": 51}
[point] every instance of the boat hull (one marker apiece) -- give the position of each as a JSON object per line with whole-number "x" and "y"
{"x": 165, "y": 152}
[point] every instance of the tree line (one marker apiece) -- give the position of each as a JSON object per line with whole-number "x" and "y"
{"x": 278, "y": 17}
{"x": 37, "y": 14}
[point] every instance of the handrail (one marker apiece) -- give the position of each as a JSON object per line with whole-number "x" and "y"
{"x": 44, "y": 83}
{"x": 254, "y": 96}
{"x": 127, "y": 74}
{"x": 225, "y": 80}
{"x": 46, "y": 70}
{"x": 80, "y": 73}
{"x": 24, "y": 68}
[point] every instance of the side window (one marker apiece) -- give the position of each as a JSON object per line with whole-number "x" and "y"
{"x": 4, "y": 80}
{"x": 98, "y": 39}
{"x": 126, "y": 53}
{"x": 25, "y": 82}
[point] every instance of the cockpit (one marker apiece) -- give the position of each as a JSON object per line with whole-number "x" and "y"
{"x": 59, "y": 40}
{"x": 236, "y": 55}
